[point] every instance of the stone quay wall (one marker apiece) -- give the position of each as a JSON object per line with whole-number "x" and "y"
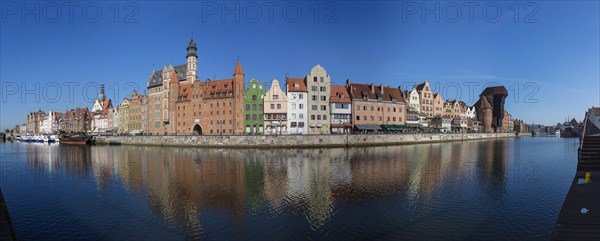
{"x": 296, "y": 141}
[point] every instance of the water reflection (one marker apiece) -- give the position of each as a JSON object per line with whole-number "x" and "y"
{"x": 183, "y": 186}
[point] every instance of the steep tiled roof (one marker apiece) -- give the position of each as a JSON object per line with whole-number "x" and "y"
{"x": 483, "y": 104}
{"x": 420, "y": 87}
{"x": 185, "y": 91}
{"x": 217, "y": 88}
{"x": 494, "y": 90}
{"x": 372, "y": 92}
{"x": 181, "y": 71}
{"x": 106, "y": 104}
{"x": 296, "y": 85}
{"x": 339, "y": 94}
{"x": 155, "y": 79}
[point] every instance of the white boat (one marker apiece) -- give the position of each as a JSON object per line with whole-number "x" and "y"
{"x": 557, "y": 132}
{"x": 53, "y": 139}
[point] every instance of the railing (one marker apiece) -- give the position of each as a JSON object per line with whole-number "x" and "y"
{"x": 581, "y": 137}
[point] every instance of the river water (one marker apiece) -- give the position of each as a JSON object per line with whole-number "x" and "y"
{"x": 509, "y": 188}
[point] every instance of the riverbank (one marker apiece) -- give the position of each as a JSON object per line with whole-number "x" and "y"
{"x": 296, "y": 141}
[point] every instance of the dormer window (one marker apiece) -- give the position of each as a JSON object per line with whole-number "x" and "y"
{"x": 297, "y": 86}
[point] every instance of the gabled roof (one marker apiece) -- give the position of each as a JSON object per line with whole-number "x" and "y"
{"x": 420, "y": 87}
{"x": 339, "y": 94}
{"x": 296, "y": 85}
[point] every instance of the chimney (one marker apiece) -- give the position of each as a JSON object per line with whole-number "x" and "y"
{"x": 381, "y": 86}
{"x": 372, "y": 88}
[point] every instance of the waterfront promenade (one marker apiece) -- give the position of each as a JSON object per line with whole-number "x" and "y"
{"x": 297, "y": 141}
{"x": 579, "y": 217}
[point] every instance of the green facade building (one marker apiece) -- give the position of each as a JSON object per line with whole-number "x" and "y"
{"x": 254, "y": 108}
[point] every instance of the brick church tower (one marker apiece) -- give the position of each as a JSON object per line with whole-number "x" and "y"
{"x": 238, "y": 103}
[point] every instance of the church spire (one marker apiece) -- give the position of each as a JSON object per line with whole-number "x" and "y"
{"x": 238, "y": 68}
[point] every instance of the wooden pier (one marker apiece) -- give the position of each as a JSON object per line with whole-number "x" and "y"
{"x": 6, "y": 228}
{"x": 579, "y": 218}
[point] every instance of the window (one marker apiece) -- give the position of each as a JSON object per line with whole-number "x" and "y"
{"x": 293, "y": 106}
{"x": 372, "y": 118}
{"x": 253, "y": 106}
{"x": 322, "y": 79}
{"x": 323, "y": 107}
{"x": 253, "y": 97}
{"x": 318, "y": 117}
{"x": 323, "y": 98}
{"x": 293, "y": 124}
{"x": 278, "y": 106}
{"x": 157, "y": 107}
{"x": 248, "y": 117}
{"x": 312, "y": 117}
{"x": 324, "y": 117}
{"x": 372, "y": 108}
{"x": 314, "y": 98}
{"x": 314, "y": 107}
{"x": 357, "y": 117}
{"x": 357, "y": 107}
{"x": 260, "y": 117}
{"x": 323, "y": 88}
{"x": 272, "y": 106}
{"x": 301, "y": 106}
{"x": 380, "y": 119}
{"x": 247, "y": 107}
{"x": 365, "y": 107}
{"x": 293, "y": 116}
{"x": 275, "y": 97}
{"x": 315, "y": 79}
{"x": 261, "y": 107}
{"x": 300, "y": 124}
{"x": 395, "y": 119}
{"x": 301, "y": 116}
{"x": 365, "y": 117}
{"x": 253, "y": 116}
{"x": 157, "y": 124}
{"x": 300, "y": 96}
{"x": 388, "y": 118}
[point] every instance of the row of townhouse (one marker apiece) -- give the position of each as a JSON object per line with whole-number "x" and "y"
{"x": 178, "y": 103}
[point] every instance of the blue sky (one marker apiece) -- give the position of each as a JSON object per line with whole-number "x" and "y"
{"x": 546, "y": 53}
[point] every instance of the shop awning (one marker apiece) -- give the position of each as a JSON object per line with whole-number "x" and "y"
{"x": 414, "y": 125}
{"x": 344, "y": 125}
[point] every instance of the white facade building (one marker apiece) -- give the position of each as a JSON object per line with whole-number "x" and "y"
{"x": 470, "y": 114}
{"x": 297, "y": 106}
{"x": 49, "y": 124}
{"x": 414, "y": 103}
